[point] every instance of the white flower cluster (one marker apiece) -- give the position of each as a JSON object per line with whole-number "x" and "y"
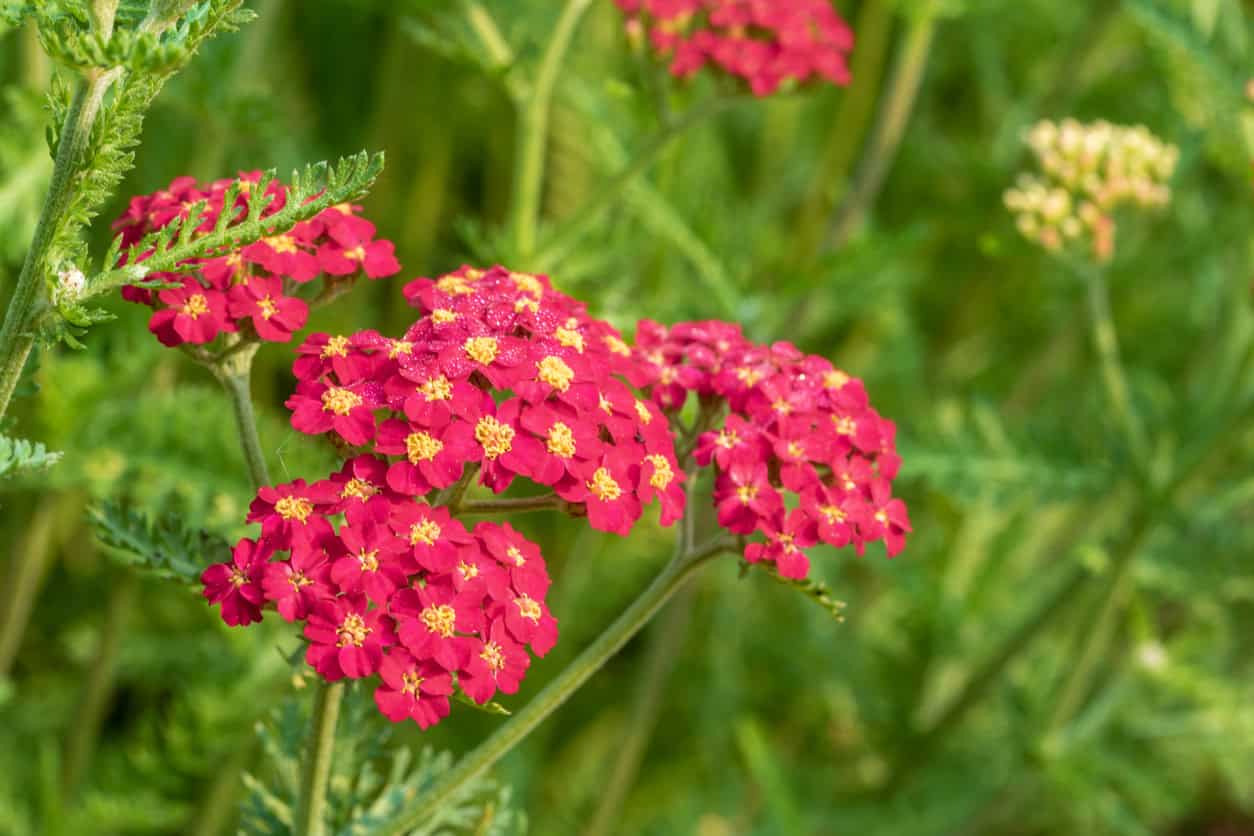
{"x": 1088, "y": 171}
{"x": 69, "y": 287}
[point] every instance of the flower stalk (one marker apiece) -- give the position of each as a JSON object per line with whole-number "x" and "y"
{"x": 524, "y": 721}
{"x": 319, "y": 748}
{"x": 234, "y": 370}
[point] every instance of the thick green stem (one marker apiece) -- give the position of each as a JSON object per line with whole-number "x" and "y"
{"x": 237, "y": 382}
{"x": 583, "y": 217}
{"x": 554, "y": 694}
{"x": 895, "y": 109}
{"x": 16, "y": 339}
{"x": 534, "y": 130}
{"x": 1107, "y": 344}
{"x": 319, "y": 748}
{"x": 513, "y": 505}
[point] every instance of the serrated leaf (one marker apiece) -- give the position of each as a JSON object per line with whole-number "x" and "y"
{"x": 19, "y": 456}
{"x": 163, "y": 547}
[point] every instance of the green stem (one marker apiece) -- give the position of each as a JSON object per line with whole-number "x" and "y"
{"x": 16, "y": 339}
{"x": 849, "y": 127}
{"x": 236, "y": 379}
{"x": 319, "y": 747}
{"x": 583, "y": 217}
{"x": 489, "y": 34}
{"x": 507, "y": 736}
{"x": 895, "y": 110}
{"x": 27, "y": 565}
{"x": 516, "y": 505}
{"x": 99, "y": 685}
{"x": 534, "y": 127}
{"x": 1107, "y": 343}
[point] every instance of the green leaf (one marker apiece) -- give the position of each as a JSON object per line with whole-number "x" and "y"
{"x": 163, "y": 547}
{"x": 18, "y": 456}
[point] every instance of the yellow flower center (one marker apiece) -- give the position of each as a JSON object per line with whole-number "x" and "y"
{"x": 748, "y": 376}
{"x": 881, "y": 517}
{"x": 554, "y": 371}
{"x": 663, "y": 475}
{"x": 835, "y": 379}
{"x": 454, "y": 286}
{"x": 643, "y": 413}
{"x": 294, "y": 508}
{"x": 526, "y": 303}
{"x": 436, "y": 389}
{"x": 605, "y": 405}
{"x": 516, "y": 555}
{"x": 727, "y": 439}
{"x": 335, "y": 347}
{"x": 782, "y": 406}
{"x": 795, "y": 450}
{"x": 747, "y": 493}
{"x": 494, "y": 656}
{"x": 832, "y": 513}
{"x": 369, "y": 560}
{"x": 844, "y": 425}
{"x": 529, "y": 608}
{"x": 561, "y": 441}
{"x": 425, "y": 532}
{"x": 298, "y": 579}
{"x": 398, "y": 347}
{"x": 195, "y": 306}
{"x": 439, "y": 618}
{"x": 353, "y": 631}
{"x": 358, "y": 489}
{"x": 570, "y": 338}
{"x": 481, "y": 349}
{"x": 282, "y": 243}
{"x": 410, "y": 683}
{"x": 237, "y": 578}
{"x": 343, "y": 208}
{"x": 495, "y": 438}
{"x": 617, "y": 346}
{"x": 603, "y": 486}
{"x": 786, "y": 540}
{"x": 340, "y": 401}
{"x": 527, "y": 283}
{"x": 443, "y": 316}
{"x": 421, "y": 447}
{"x": 357, "y": 253}
{"x": 469, "y": 571}
{"x": 267, "y": 306}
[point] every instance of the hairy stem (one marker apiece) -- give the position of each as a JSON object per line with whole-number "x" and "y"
{"x": 237, "y": 381}
{"x": 319, "y": 747}
{"x": 897, "y": 105}
{"x": 518, "y": 505}
{"x": 16, "y": 339}
{"x": 524, "y": 721}
{"x": 534, "y": 130}
{"x": 583, "y": 217}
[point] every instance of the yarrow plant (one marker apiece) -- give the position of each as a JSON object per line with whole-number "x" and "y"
{"x": 1088, "y": 171}
{"x": 763, "y": 43}
{"x": 801, "y": 456}
{"x": 256, "y": 288}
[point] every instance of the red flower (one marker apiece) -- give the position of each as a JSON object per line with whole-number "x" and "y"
{"x": 430, "y": 618}
{"x": 495, "y": 662}
{"x": 375, "y": 562}
{"x": 606, "y": 485}
{"x": 350, "y": 249}
{"x": 412, "y": 689}
{"x": 432, "y": 534}
{"x": 517, "y": 554}
{"x": 661, "y": 476}
{"x": 193, "y": 315}
{"x": 433, "y": 457}
{"x": 786, "y": 539}
{"x": 347, "y": 410}
{"x": 346, "y": 639}
{"x": 274, "y": 316}
{"x": 293, "y": 513}
{"x": 296, "y": 586}
{"x": 285, "y": 255}
{"x": 236, "y": 586}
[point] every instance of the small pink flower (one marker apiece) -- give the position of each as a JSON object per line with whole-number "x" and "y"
{"x": 351, "y": 249}
{"x": 430, "y": 620}
{"x": 296, "y": 586}
{"x": 236, "y": 585}
{"x": 412, "y": 689}
{"x": 274, "y": 316}
{"x": 494, "y": 662}
{"x": 348, "y": 411}
{"x": 192, "y": 315}
{"x": 346, "y": 640}
{"x": 293, "y": 513}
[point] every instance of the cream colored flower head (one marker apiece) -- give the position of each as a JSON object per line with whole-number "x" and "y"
{"x": 1087, "y": 171}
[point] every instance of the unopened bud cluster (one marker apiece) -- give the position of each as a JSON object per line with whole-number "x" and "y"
{"x": 1087, "y": 172}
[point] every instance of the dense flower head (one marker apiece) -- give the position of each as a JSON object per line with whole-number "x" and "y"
{"x": 801, "y": 456}
{"x": 1087, "y": 172}
{"x": 255, "y": 288}
{"x": 503, "y": 373}
{"x": 765, "y": 43}
{"x": 389, "y": 586}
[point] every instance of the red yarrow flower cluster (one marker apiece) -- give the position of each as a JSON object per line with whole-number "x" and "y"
{"x": 799, "y": 434}
{"x": 391, "y": 587}
{"x": 763, "y": 42}
{"x": 253, "y": 289}
{"x": 504, "y": 373}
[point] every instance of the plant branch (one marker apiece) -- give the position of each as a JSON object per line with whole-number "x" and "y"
{"x": 1106, "y": 341}
{"x": 16, "y": 335}
{"x": 583, "y": 217}
{"x": 897, "y": 105}
{"x": 319, "y": 747}
{"x": 534, "y": 130}
{"x": 236, "y": 377}
{"x": 522, "y": 504}
{"x": 524, "y": 721}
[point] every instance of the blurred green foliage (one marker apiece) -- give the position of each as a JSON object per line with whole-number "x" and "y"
{"x": 938, "y": 706}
